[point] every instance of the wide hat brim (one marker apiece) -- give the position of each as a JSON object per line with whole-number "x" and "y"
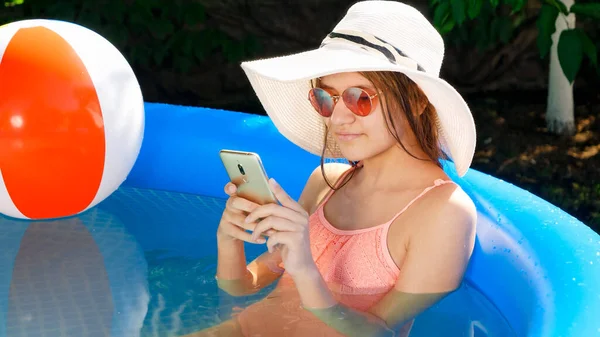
{"x": 282, "y": 84}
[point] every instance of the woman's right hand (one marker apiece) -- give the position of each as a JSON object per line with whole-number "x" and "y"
{"x": 232, "y": 226}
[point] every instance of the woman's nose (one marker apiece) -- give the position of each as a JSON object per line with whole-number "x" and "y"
{"x": 341, "y": 114}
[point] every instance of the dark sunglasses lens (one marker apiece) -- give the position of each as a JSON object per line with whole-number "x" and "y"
{"x": 358, "y": 101}
{"x": 322, "y": 101}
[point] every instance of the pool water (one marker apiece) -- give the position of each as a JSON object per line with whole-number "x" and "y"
{"x": 142, "y": 263}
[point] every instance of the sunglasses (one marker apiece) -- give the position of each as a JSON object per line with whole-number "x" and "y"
{"x": 357, "y": 100}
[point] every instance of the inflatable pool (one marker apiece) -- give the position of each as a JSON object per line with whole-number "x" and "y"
{"x": 152, "y": 251}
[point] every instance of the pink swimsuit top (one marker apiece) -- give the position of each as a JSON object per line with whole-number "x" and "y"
{"x": 355, "y": 264}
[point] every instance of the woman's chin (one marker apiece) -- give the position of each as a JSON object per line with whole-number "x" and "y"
{"x": 352, "y": 156}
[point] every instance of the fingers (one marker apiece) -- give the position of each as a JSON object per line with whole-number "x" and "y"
{"x": 233, "y": 225}
{"x": 246, "y": 236}
{"x": 275, "y": 224}
{"x": 230, "y": 189}
{"x": 236, "y": 227}
{"x": 284, "y": 198}
{"x": 280, "y": 238}
{"x": 242, "y": 215}
{"x": 237, "y": 220}
{"x": 239, "y": 205}
{"x": 269, "y": 210}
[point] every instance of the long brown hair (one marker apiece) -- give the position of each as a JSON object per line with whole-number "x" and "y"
{"x": 404, "y": 101}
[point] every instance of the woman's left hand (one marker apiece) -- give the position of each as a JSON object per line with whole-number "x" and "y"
{"x": 290, "y": 223}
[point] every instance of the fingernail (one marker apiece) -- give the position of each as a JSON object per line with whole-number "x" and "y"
{"x": 260, "y": 240}
{"x": 247, "y": 220}
{"x": 273, "y": 182}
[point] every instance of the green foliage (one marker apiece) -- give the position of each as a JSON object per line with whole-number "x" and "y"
{"x": 475, "y": 22}
{"x": 12, "y": 3}
{"x": 150, "y": 33}
{"x": 546, "y": 25}
{"x": 484, "y": 23}
{"x": 587, "y": 9}
{"x": 558, "y": 5}
{"x": 570, "y": 53}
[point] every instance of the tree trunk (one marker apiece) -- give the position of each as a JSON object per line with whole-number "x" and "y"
{"x": 560, "y": 117}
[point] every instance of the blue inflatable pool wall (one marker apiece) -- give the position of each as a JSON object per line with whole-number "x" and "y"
{"x": 539, "y": 266}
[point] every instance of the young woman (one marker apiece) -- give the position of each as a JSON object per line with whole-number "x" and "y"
{"x": 369, "y": 245}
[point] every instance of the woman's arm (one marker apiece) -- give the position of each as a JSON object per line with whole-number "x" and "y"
{"x": 237, "y": 279}
{"x": 436, "y": 259}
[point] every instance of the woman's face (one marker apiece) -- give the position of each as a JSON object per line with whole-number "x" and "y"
{"x": 359, "y": 138}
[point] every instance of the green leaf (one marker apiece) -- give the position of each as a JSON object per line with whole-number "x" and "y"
{"x": 474, "y": 8}
{"x": 519, "y": 4}
{"x": 458, "y": 11}
{"x": 442, "y": 18}
{"x": 591, "y": 10}
{"x": 440, "y": 14}
{"x": 448, "y": 26}
{"x": 546, "y": 24}
{"x": 570, "y": 53}
{"x": 494, "y": 3}
{"x": 559, "y": 5}
{"x": 589, "y": 48}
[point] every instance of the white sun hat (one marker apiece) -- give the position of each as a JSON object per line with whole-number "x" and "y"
{"x": 374, "y": 35}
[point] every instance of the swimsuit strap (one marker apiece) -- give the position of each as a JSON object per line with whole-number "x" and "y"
{"x": 436, "y": 183}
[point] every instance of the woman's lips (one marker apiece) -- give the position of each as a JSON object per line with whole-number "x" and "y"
{"x": 346, "y": 137}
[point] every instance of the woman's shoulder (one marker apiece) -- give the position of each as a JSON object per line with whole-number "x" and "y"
{"x": 318, "y": 184}
{"x": 442, "y": 239}
{"x": 447, "y": 207}
{"x": 446, "y": 213}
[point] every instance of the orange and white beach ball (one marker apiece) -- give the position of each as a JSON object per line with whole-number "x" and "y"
{"x": 71, "y": 119}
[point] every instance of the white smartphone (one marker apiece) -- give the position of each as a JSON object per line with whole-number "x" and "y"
{"x": 246, "y": 171}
